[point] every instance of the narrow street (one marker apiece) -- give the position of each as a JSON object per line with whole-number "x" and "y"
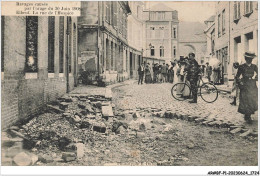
{"x": 149, "y": 127}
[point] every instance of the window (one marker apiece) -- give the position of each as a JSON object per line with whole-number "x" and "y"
{"x": 108, "y": 11}
{"x": 223, "y": 22}
{"x": 51, "y": 39}
{"x": 152, "y": 16}
{"x": 152, "y": 51}
{"x": 161, "y": 16}
{"x": 236, "y": 11}
{"x": 219, "y": 25}
{"x": 31, "y": 44}
{"x": 248, "y": 7}
{"x": 161, "y": 32}
{"x": 174, "y": 51}
{"x": 174, "y": 32}
{"x": 114, "y": 7}
{"x": 2, "y": 44}
{"x": 161, "y": 51}
{"x": 112, "y": 56}
{"x": 61, "y": 47}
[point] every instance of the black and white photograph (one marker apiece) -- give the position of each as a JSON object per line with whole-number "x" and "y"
{"x": 130, "y": 83}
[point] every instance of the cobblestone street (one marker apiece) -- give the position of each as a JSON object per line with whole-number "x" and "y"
{"x": 158, "y": 96}
{"x": 143, "y": 125}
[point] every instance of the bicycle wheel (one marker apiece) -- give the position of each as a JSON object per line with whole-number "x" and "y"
{"x": 208, "y": 92}
{"x": 181, "y": 91}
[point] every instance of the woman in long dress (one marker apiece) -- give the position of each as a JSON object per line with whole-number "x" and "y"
{"x": 248, "y": 89}
{"x": 148, "y": 77}
{"x": 181, "y": 90}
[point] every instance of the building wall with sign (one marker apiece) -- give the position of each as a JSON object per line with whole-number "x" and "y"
{"x": 34, "y": 64}
{"x": 103, "y": 40}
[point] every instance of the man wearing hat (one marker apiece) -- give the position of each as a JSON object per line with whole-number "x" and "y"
{"x": 248, "y": 90}
{"x": 193, "y": 70}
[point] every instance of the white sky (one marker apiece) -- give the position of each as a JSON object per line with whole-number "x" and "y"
{"x": 190, "y": 11}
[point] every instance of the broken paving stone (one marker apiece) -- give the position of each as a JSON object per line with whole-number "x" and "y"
{"x": 246, "y": 133}
{"x": 99, "y": 127}
{"x": 63, "y": 105}
{"x": 22, "y": 159}
{"x": 45, "y": 158}
{"x": 142, "y": 127}
{"x": 80, "y": 150}
{"x": 82, "y": 106}
{"x": 76, "y": 119}
{"x": 236, "y": 130}
{"x": 136, "y": 115}
{"x": 85, "y": 124}
{"x": 107, "y": 111}
{"x": 16, "y": 128}
{"x": 68, "y": 156}
{"x": 120, "y": 130}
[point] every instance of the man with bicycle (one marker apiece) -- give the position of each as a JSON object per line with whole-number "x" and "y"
{"x": 193, "y": 71}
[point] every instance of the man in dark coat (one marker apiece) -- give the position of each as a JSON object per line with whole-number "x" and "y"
{"x": 193, "y": 70}
{"x": 141, "y": 73}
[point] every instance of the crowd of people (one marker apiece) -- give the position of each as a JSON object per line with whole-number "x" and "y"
{"x": 188, "y": 70}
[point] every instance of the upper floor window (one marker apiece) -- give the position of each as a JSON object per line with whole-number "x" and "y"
{"x": 161, "y": 32}
{"x": 248, "y": 7}
{"x": 108, "y": 11}
{"x": 114, "y": 13}
{"x": 161, "y": 51}
{"x": 152, "y": 51}
{"x": 174, "y": 32}
{"x": 219, "y": 25}
{"x": 236, "y": 11}
{"x": 174, "y": 51}
{"x": 152, "y": 15}
{"x": 223, "y": 22}
{"x": 161, "y": 16}
{"x": 152, "y": 31}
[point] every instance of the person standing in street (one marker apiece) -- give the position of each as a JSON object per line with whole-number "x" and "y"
{"x": 235, "y": 89}
{"x": 193, "y": 70}
{"x": 208, "y": 71}
{"x": 164, "y": 72}
{"x": 141, "y": 73}
{"x": 248, "y": 98}
{"x": 148, "y": 76}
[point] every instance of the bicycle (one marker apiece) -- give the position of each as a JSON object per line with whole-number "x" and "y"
{"x": 207, "y": 91}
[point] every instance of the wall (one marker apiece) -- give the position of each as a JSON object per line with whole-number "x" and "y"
{"x": 26, "y": 94}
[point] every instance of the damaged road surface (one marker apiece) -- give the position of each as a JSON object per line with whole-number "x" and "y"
{"x": 94, "y": 130}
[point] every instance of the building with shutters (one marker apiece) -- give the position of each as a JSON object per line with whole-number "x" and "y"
{"x": 103, "y": 49}
{"x": 233, "y": 32}
{"x": 161, "y": 32}
{"x": 38, "y": 63}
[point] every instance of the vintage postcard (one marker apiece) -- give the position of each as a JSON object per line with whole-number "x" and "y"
{"x": 130, "y": 83}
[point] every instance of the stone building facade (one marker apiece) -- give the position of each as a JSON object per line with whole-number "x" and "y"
{"x": 161, "y": 32}
{"x": 38, "y": 64}
{"x": 135, "y": 36}
{"x": 236, "y": 31}
{"x": 103, "y": 49}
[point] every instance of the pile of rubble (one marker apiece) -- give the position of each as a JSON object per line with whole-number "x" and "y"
{"x": 61, "y": 134}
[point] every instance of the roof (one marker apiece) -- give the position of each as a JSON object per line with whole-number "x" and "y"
{"x": 192, "y": 32}
{"x": 161, "y": 7}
